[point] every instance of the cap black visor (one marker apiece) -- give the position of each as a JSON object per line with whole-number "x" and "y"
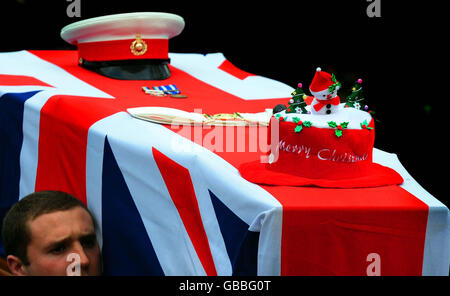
{"x": 131, "y": 69}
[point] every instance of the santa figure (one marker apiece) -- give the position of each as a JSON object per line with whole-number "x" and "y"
{"x": 324, "y": 88}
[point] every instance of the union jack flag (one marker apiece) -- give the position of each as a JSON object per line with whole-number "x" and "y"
{"x": 162, "y": 211}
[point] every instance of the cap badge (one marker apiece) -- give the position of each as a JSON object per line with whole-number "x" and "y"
{"x": 138, "y": 47}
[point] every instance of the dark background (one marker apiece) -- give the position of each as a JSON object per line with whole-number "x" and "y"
{"x": 399, "y": 56}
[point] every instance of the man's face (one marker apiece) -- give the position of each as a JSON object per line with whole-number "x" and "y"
{"x": 55, "y": 236}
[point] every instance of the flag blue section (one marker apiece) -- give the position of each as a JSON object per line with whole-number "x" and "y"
{"x": 11, "y": 137}
{"x": 246, "y": 262}
{"x": 239, "y": 241}
{"x": 127, "y": 249}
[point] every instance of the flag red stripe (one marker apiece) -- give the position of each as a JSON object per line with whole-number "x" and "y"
{"x": 20, "y": 80}
{"x": 228, "y": 67}
{"x": 180, "y": 187}
{"x": 332, "y": 231}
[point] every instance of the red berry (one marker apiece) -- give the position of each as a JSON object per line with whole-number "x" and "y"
{"x": 281, "y": 118}
{"x": 339, "y": 127}
{"x": 299, "y": 122}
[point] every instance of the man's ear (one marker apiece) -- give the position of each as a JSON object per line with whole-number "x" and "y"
{"x": 15, "y": 265}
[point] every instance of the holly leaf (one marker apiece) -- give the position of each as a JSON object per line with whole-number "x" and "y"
{"x": 338, "y": 133}
{"x": 333, "y": 78}
{"x": 344, "y": 124}
{"x": 365, "y": 125}
{"x": 295, "y": 119}
{"x": 332, "y": 124}
{"x": 277, "y": 116}
{"x": 298, "y": 128}
{"x": 307, "y": 123}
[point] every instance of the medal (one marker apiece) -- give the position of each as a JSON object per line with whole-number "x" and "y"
{"x": 163, "y": 91}
{"x": 153, "y": 92}
{"x": 178, "y": 96}
{"x": 170, "y": 89}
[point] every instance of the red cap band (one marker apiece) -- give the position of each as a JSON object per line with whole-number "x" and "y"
{"x": 129, "y": 49}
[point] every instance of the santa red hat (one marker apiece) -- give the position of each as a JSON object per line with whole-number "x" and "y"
{"x": 317, "y": 156}
{"x": 321, "y": 81}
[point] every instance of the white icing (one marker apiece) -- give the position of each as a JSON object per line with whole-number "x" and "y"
{"x": 353, "y": 116}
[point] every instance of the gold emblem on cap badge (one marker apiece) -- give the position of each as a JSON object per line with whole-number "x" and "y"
{"x": 138, "y": 47}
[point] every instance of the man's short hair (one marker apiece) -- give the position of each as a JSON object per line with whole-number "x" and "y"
{"x": 15, "y": 231}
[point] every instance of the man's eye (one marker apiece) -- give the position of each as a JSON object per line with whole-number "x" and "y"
{"x": 89, "y": 242}
{"x": 58, "y": 249}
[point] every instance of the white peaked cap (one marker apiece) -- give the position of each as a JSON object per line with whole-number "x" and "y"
{"x": 150, "y": 25}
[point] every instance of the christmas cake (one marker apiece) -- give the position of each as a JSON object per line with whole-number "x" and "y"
{"x": 327, "y": 143}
